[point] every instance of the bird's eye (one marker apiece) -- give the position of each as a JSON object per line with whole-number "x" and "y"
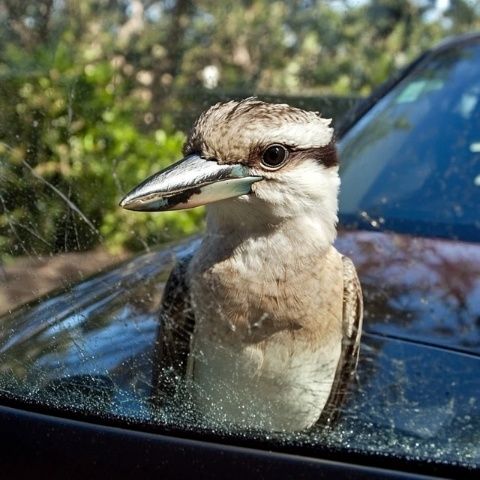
{"x": 274, "y": 156}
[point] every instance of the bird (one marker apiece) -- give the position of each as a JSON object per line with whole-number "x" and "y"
{"x": 263, "y": 321}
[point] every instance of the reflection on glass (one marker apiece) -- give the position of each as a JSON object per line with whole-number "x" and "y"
{"x": 430, "y": 288}
{"x": 425, "y": 131}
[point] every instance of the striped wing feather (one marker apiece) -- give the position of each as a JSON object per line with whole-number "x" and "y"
{"x": 352, "y": 331}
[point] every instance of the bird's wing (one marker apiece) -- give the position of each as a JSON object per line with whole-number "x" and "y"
{"x": 352, "y": 330}
{"x": 175, "y": 328}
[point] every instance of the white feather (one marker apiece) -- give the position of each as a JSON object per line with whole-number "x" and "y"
{"x": 308, "y": 135}
{"x": 297, "y": 203}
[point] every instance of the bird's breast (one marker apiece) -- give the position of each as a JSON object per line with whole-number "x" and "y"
{"x": 250, "y": 300}
{"x": 264, "y": 339}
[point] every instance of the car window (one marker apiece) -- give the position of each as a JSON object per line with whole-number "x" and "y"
{"x": 426, "y": 129}
{"x": 96, "y": 96}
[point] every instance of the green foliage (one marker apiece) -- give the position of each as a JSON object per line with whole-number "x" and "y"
{"x": 72, "y": 144}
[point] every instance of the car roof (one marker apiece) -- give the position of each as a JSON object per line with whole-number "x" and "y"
{"x": 359, "y": 110}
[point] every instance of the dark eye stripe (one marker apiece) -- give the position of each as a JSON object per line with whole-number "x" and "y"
{"x": 326, "y": 155}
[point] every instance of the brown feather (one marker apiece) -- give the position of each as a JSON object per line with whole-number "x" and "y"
{"x": 352, "y": 331}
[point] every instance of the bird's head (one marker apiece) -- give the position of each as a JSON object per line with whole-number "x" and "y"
{"x": 251, "y": 160}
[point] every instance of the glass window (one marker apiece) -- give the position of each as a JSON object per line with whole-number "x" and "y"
{"x": 426, "y": 130}
{"x": 95, "y": 96}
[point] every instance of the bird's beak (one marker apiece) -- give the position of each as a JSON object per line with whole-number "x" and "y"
{"x": 188, "y": 183}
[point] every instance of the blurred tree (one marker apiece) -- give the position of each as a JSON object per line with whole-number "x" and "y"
{"x": 463, "y": 15}
{"x": 73, "y": 131}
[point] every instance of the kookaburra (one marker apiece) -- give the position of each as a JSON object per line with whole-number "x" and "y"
{"x": 264, "y": 320}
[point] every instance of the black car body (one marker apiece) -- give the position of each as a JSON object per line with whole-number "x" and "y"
{"x": 75, "y": 366}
